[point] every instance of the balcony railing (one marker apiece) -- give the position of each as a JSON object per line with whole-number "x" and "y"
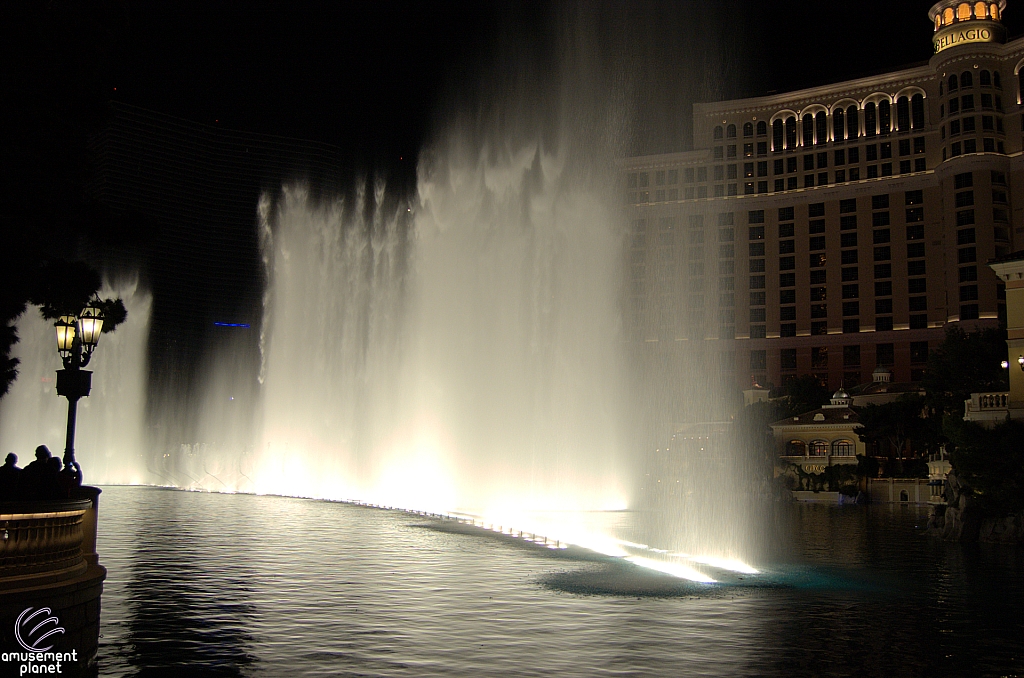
{"x": 43, "y": 542}
{"x": 989, "y": 403}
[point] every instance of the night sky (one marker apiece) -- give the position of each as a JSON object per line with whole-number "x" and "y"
{"x": 377, "y": 79}
{"x": 369, "y": 76}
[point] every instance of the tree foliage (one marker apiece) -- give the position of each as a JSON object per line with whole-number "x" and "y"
{"x": 894, "y": 425}
{"x": 990, "y": 462}
{"x": 803, "y": 394}
{"x": 964, "y": 363}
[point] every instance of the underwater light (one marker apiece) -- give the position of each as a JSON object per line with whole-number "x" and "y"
{"x": 725, "y": 564}
{"x": 674, "y": 569}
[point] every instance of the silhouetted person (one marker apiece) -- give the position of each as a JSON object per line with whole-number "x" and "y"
{"x": 54, "y": 489}
{"x": 70, "y": 480}
{"x": 39, "y": 479}
{"x": 10, "y": 479}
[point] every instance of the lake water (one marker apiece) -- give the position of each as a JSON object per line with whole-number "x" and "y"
{"x": 224, "y": 585}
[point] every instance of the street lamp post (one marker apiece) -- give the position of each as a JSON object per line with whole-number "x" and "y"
{"x": 77, "y": 338}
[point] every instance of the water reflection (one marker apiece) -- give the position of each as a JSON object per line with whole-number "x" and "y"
{"x": 187, "y": 592}
{"x": 204, "y": 584}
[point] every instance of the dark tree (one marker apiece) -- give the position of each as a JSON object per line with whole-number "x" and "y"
{"x": 964, "y": 363}
{"x": 990, "y": 462}
{"x": 805, "y": 393}
{"x": 893, "y": 426}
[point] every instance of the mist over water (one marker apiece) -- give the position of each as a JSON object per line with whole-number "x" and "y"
{"x": 469, "y": 348}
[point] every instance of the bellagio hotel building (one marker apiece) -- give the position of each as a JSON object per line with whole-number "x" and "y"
{"x": 833, "y": 230}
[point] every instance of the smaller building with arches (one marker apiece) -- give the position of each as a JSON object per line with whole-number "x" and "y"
{"x": 823, "y": 437}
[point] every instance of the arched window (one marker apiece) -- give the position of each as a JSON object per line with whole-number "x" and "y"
{"x": 980, "y": 10}
{"x": 718, "y": 133}
{"x": 748, "y": 129}
{"x": 852, "y": 123}
{"x": 884, "y": 116}
{"x": 947, "y": 16}
{"x": 838, "y": 125}
{"x": 777, "y": 135}
{"x": 917, "y": 111}
{"x": 938, "y": 21}
{"x": 993, "y": 10}
{"x": 966, "y": 80}
{"x": 762, "y": 129}
{"x": 963, "y": 12}
{"x": 808, "y": 129}
{"x": 821, "y": 122}
{"x": 818, "y": 448}
{"x": 730, "y": 132}
{"x": 903, "y": 114}
{"x": 952, "y": 83}
{"x": 842, "y": 448}
{"x": 904, "y": 496}
{"x": 796, "y": 448}
{"x": 985, "y": 79}
{"x": 870, "y": 120}
{"x": 940, "y": 88}
{"x": 1020, "y": 83}
{"x": 790, "y": 133}
{"x": 997, "y": 81}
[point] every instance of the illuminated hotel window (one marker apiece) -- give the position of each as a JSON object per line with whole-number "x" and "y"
{"x": 947, "y": 16}
{"x": 903, "y": 114}
{"x": 852, "y": 124}
{"x": 994, "y": 11}
{"x": 980, "y": 10}
{"x": 790, "y": 133}
{"x": 917, "y": 111}
{"x": 870, "y": 120}
{"x": 963, "y": 12}
{"x": 821, "y": 123}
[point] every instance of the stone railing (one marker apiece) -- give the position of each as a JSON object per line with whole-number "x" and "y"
{"x": 985, "y": 405}
{"x": 43, "y": 542}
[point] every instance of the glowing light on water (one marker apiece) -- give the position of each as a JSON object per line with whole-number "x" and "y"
{"x": 674, "y": 569}
{"x": 725, "y": 564}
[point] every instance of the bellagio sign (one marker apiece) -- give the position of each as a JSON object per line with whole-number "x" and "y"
{"x": 961, "y": 35}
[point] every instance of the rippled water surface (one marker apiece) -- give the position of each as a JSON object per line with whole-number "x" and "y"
{"x": 210, "y": 584}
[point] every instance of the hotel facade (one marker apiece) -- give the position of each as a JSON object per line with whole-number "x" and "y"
{"x": 834, "y": 230}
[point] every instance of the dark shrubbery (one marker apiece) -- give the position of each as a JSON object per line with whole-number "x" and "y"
{"x": 990, "y": 462}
